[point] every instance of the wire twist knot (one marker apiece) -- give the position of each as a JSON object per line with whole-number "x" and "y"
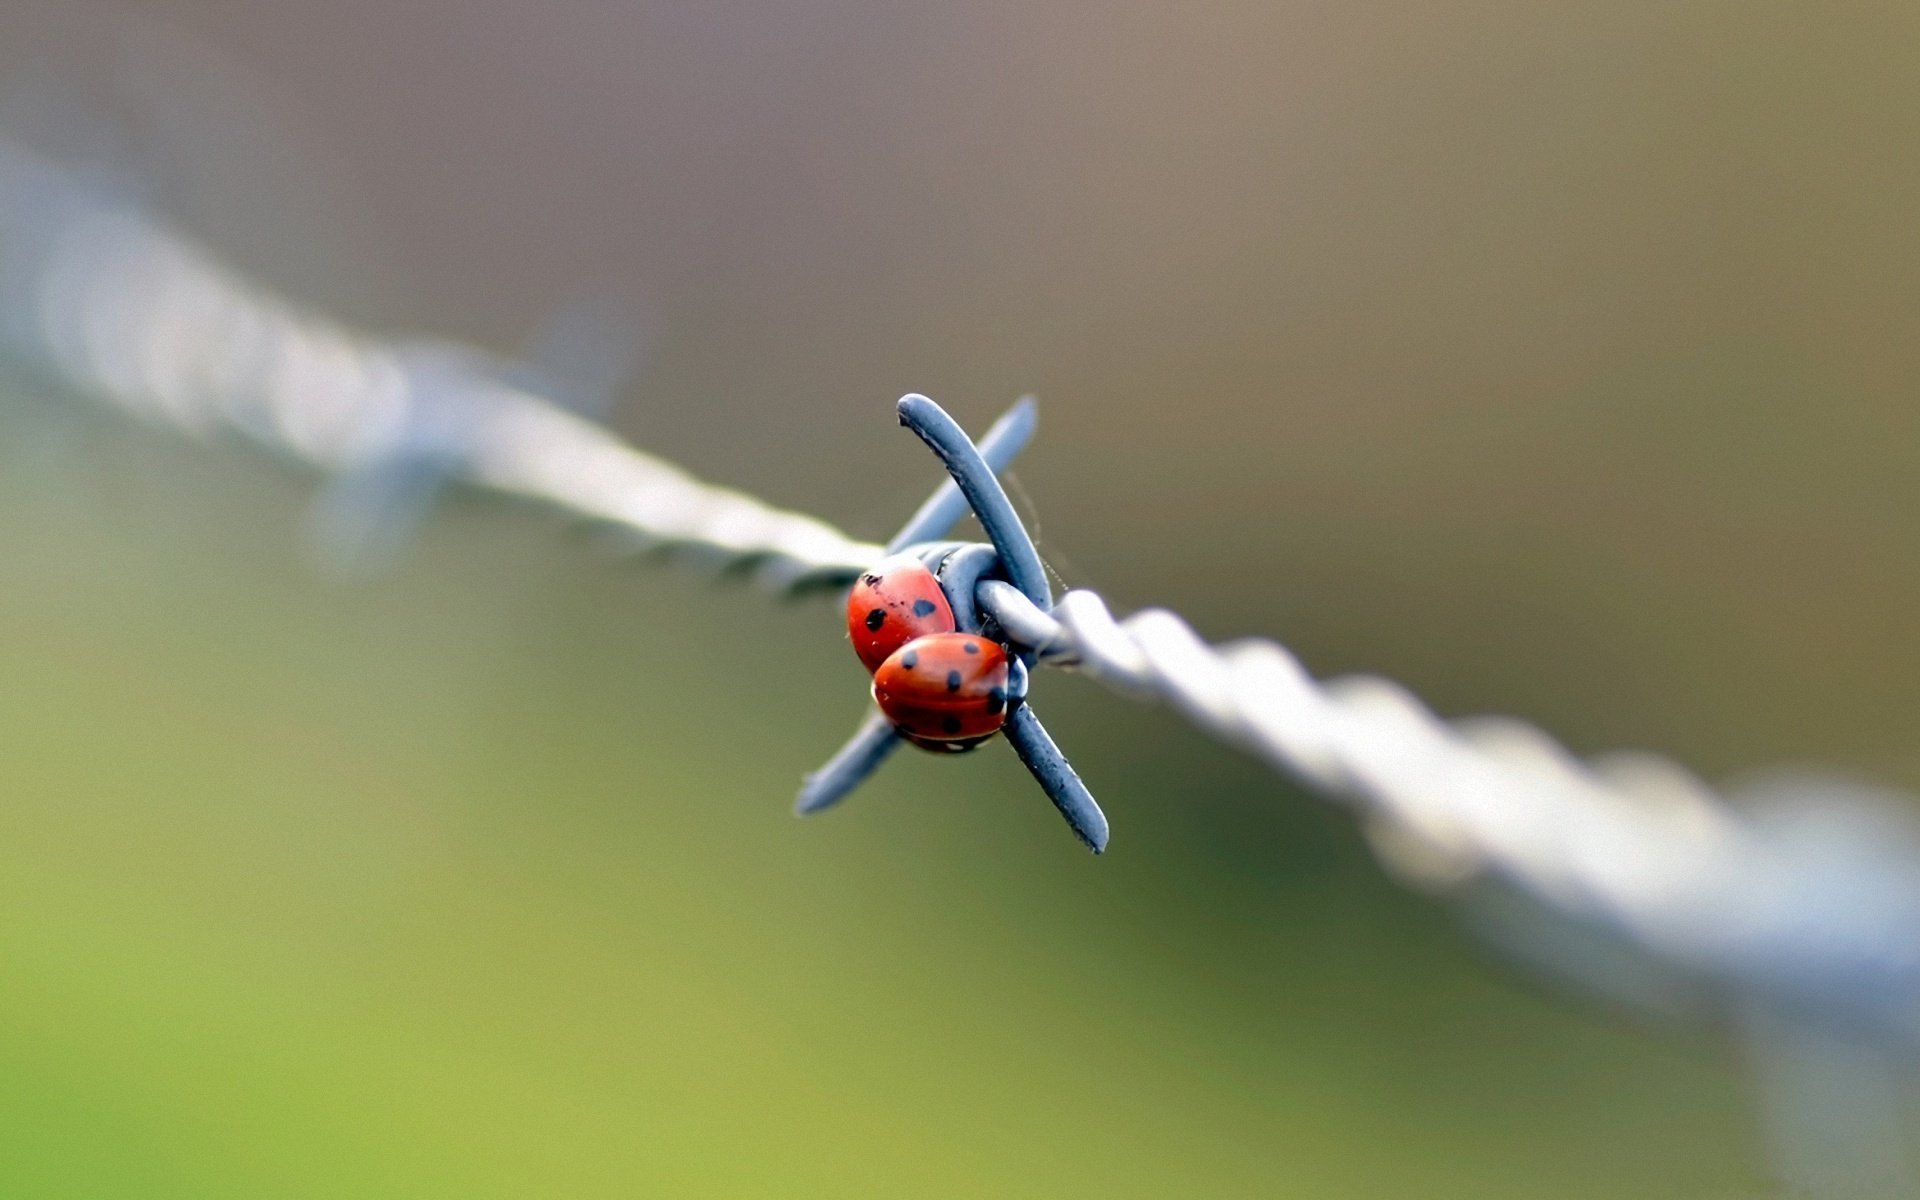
{"x": 964, "y": 570}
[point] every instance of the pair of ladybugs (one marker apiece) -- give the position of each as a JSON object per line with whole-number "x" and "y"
{"x": 943, "y": 690}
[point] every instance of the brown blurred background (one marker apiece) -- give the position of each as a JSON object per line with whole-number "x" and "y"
{"x": 1551, "y": 362}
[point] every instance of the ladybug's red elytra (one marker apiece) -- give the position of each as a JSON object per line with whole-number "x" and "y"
{"x": 894, "y": 602}
{"x": 945, "y": 691}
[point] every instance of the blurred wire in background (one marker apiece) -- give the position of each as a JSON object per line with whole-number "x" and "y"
{"x": 1787, "y": 911}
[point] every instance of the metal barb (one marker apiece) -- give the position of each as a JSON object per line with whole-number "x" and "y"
{"x": 359, "y": 526}
{"x": 1057, "y": 777}
{"x": 943, "y": 510}
{"x": 875, "y": 741}
{"x": 981, "y": 487}
{"x": 974, "y": 484}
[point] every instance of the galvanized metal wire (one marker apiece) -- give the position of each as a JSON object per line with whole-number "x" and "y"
{"x": 1801, "y": 900}
{"x": 1812, "y": 900}
{"x": 113, "y": 304}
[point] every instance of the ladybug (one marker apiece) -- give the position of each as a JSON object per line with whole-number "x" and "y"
{"x": 945, "y": 691}
{"x": 895, "y": 602}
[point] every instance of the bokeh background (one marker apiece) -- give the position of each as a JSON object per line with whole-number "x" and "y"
{"x": 1551, "y": 362}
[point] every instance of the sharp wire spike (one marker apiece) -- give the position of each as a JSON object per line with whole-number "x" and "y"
{"x": 1057, "y": 777}
{"x": 875, "y": 741}
{"x": 1017, "y": 556}
{"x": 980, "y": 486}
{"x": 943, "y": 510}
{"x": 972, "y": 483}
{"x": 359, "y": 526}
{"x": 585, "y": 356}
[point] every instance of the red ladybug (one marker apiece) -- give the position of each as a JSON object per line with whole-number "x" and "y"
{"x": 893, "y": 603}
{"x": 945, "y": 691}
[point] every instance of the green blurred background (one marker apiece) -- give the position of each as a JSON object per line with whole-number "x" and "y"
{"x": 1551, "y": 362}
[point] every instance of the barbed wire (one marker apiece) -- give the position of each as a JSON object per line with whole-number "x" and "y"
{"x": 115, "y": 305}
{"x": 1802, "y": 902}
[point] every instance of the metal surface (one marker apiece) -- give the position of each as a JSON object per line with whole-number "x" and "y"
{"x": 975, "y": 484}
{"x": 110, "y": 302}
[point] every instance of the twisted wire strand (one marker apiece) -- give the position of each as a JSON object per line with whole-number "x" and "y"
{"x": 117, "y": 306}
{"x": 1809, "y": 899}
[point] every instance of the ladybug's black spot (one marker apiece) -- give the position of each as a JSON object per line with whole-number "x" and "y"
{"x": 953, "y": 681}
{"x": 876, "y": 618}
{"x": 996, "y": 700}
{"x": 973, "y": 647}
{"x": 923, "y": 608}
{"x": 910, "y": 659}
{"x": 951, "y": 724}
{"x": 870, "y": 580}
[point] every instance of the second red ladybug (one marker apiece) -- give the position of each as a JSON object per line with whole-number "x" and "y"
{"x": 945, "y": 691}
